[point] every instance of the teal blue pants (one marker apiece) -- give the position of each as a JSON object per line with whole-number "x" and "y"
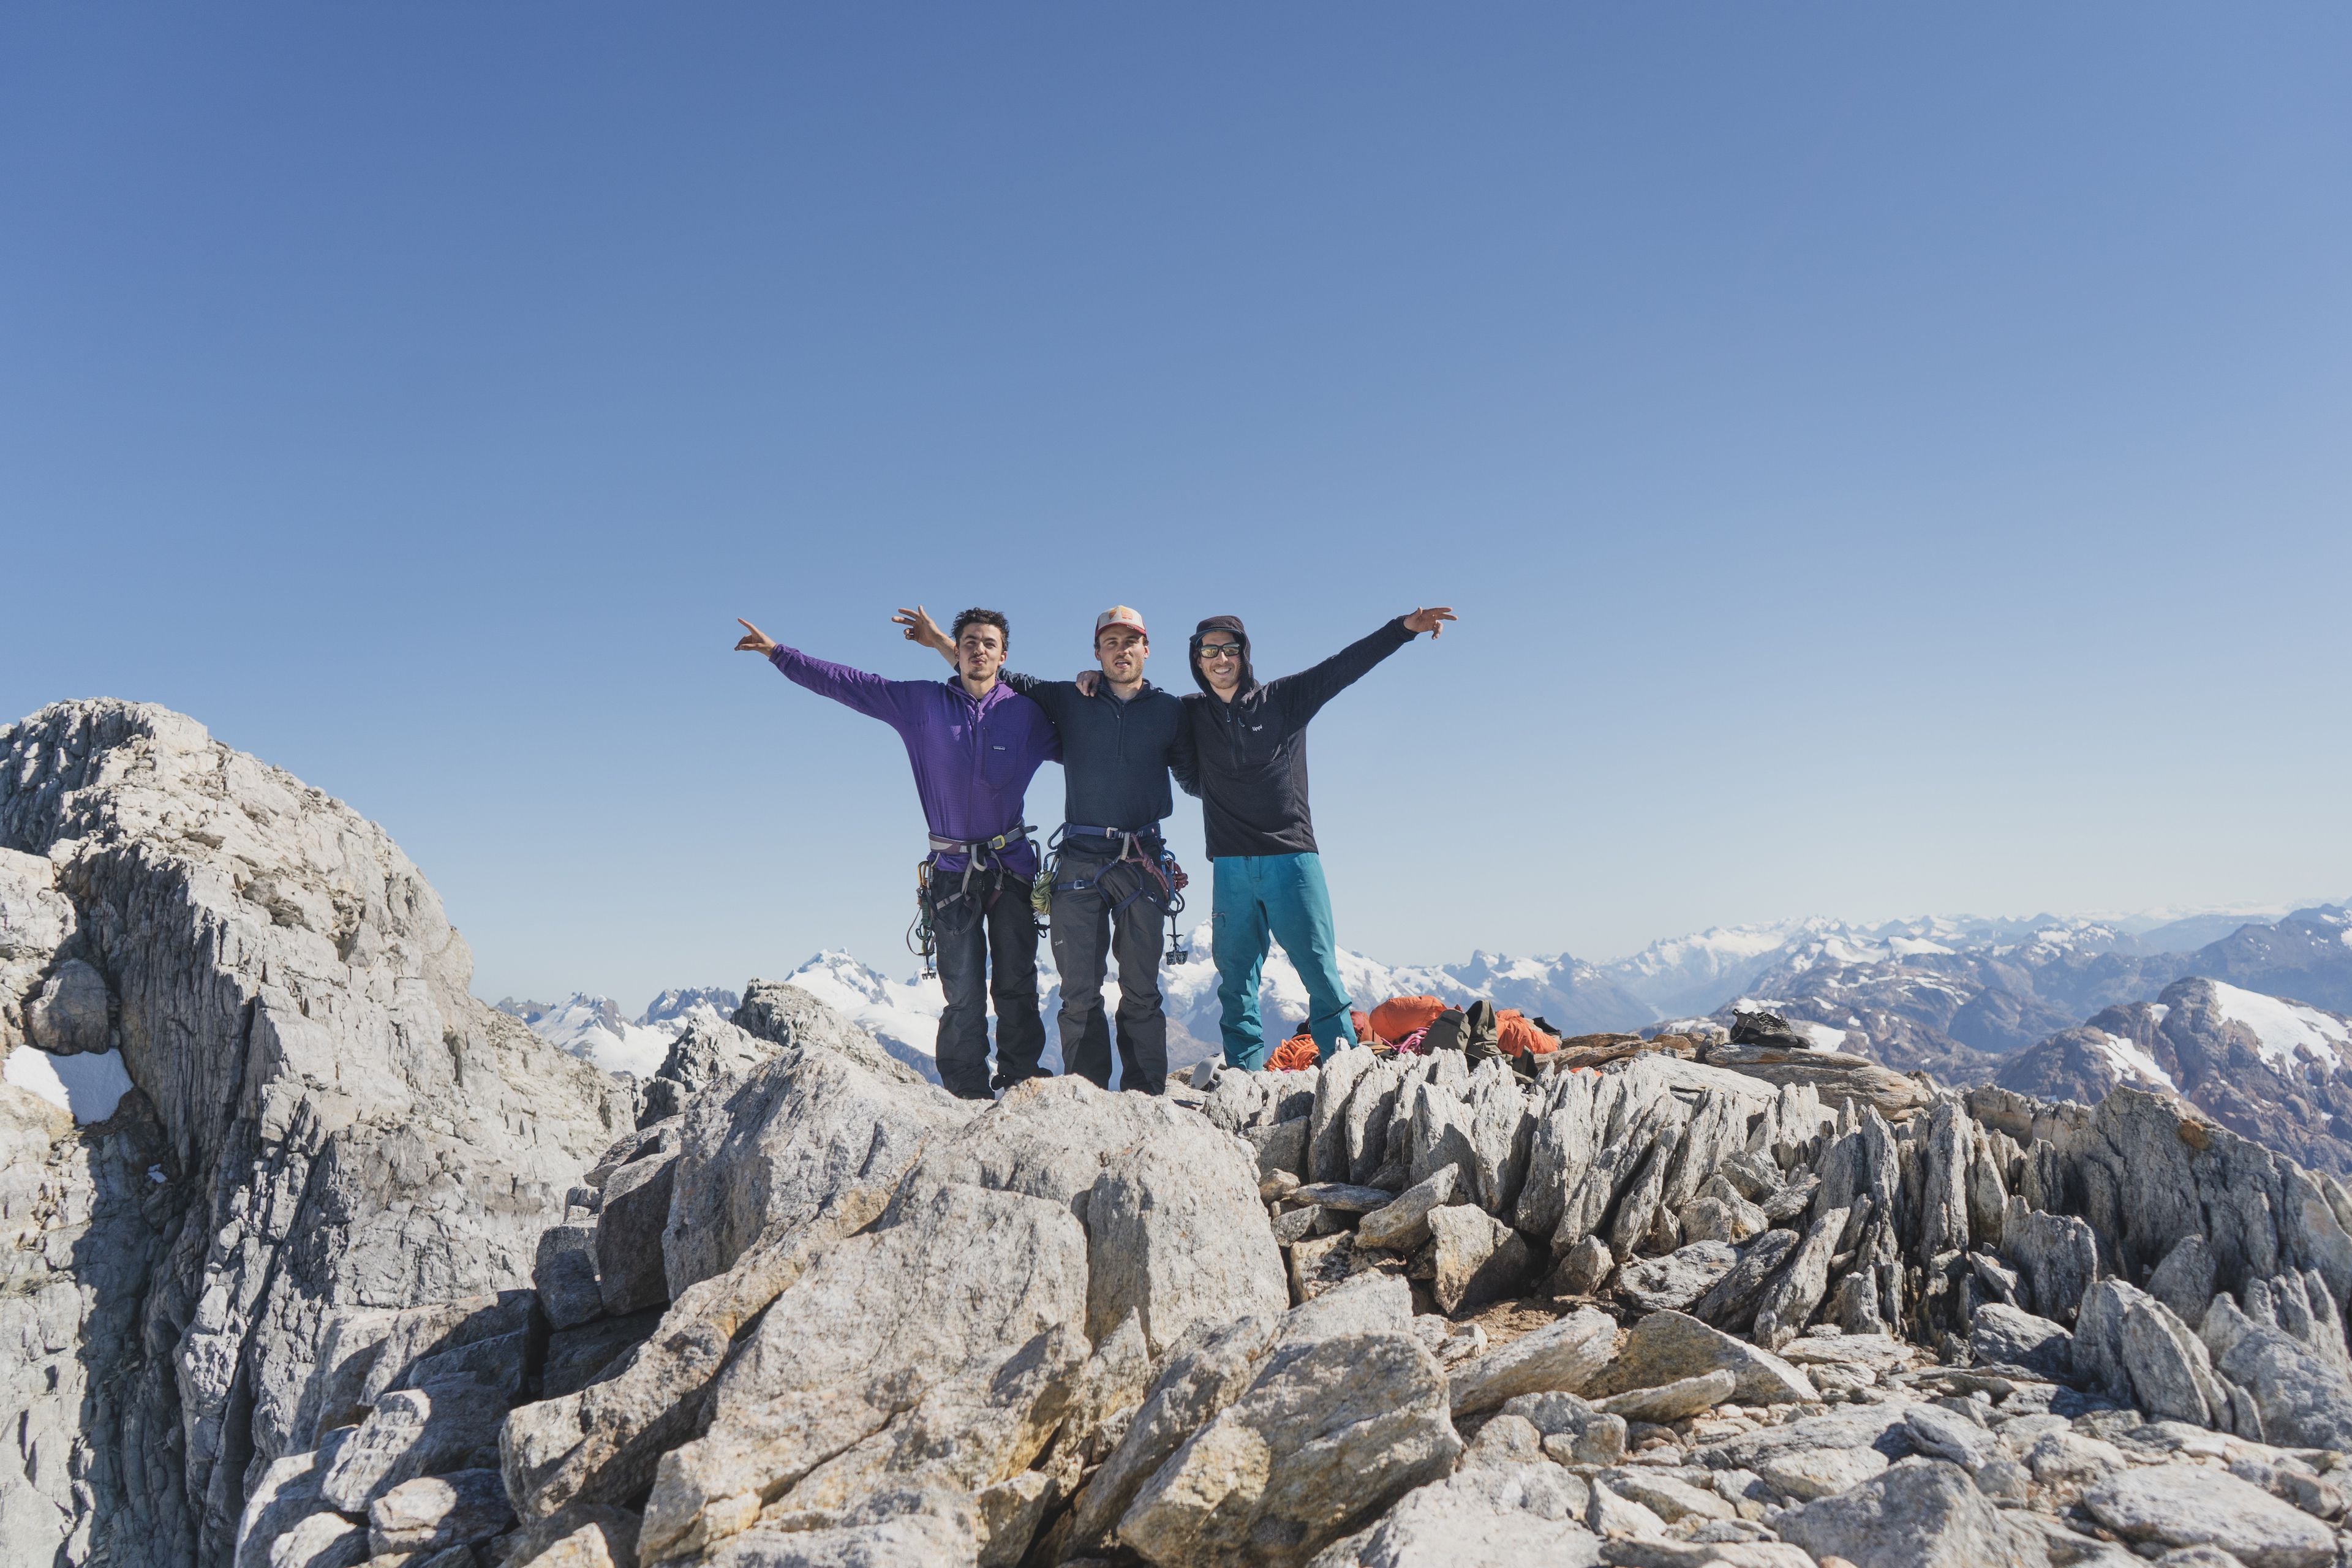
{"x": 1281, "y": 896}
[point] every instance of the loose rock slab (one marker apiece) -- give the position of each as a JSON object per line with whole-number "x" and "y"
{"x": 1672, "y": 1401}
{"x": 1923, "y": 1514}
{"x": 1666, "y": 1347}
{"x": 2188, "y": 1505}
{"x": 1564, "y": 1355}
{"x": 1331, "y": 1433}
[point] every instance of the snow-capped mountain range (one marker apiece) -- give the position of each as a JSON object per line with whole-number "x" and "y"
{"x": 1959, "y": 996}
{"x": 592, "y": 1027}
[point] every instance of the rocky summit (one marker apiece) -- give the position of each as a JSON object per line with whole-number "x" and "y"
{"x": 360, "y": 1271}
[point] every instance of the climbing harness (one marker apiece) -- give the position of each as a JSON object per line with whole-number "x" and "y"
{"x": 1143, "y": 849}
{"x": 979, "y": 854}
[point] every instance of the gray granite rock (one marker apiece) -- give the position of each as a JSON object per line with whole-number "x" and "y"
{"x": 1327, "y": 1137}
{"x": 904, "y": 1306}
{"x": 1502, "y": 1135}
{"x": 413, "y": 1432}
{"x": 1402, "y": 1224}
{"x": 1677, "y": 1279}
{"x": 1560, "y": 1153}
{"x": 338, "y": 1123}
{"x": 1583, "y": 1268}
{"x": 2015, "y": 1337}
{"x": 630, "y": 1274}
{"x": 1922, "y": 1514}
{"x": 2301, "y": 1398}
{"x": 321, "y": 1540}
{"x": 1366, "y": 1118}
{"x": 706, "y": 1050}
{"x": 1477, "y": 1257}
{"x": 1437, "y": 1134}
{"x": 564, "y": 1275}
{"x": 1788, "y": 1301}
{"x": 1672, "y": 1401}
{"x": 2189, "y": 1505}
{"x": 1583, "y": 1435}
{"x": 1730, "y": 1303}
{"x": 1330, "y": 1433}
{"x": 1174, "y": 1236}
{"x": 782, "y": 1015}
{"x": 1279, "y": 1146}
{"x": 1941, "y": 1434}
{"x": 1564, "y": 1355}
{"x": 72, "y": 1014}
{"x": 433, "y": 1513}
{"x": 1666, "y": 1347}
{"x": 767, "y": 1150}
{"x": 1517, "y": 1516}
{"x": 1204, "y": 1373}
{"x": 2056, "y": 1255}
{"x": 285, "y": 1494}
{"x": 2185, "y": 1280}
{"x": 578, "y": 1357}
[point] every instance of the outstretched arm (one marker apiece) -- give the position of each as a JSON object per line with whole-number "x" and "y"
{"x": 1304, "y": 694}
{"x": 869, "y": 694}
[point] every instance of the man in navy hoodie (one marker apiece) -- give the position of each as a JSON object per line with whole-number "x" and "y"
{"x": 974, "y": 744}
{"x": 1250, "y": 739}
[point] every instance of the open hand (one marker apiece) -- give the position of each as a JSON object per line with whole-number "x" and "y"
{"x": 753, "y": 639}
{"x": 1087, "y": 681}
{"x": 1432, "y": 621}
{"x": 918, "y": 627}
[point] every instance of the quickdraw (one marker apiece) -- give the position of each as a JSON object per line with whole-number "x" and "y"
{"x": 1142, "y": 849}
{"x": 919, "y": 941}
{"x": 979, "y": 854}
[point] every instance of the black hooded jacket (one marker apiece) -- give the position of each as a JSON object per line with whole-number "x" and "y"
{"x": 1251, "y": 753}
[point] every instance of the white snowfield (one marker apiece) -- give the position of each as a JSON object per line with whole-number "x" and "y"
{"x": 2286, "y": 1030}
{"x": 2131, "y": 1062}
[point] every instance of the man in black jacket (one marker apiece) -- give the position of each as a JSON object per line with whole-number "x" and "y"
{"x": 1251, "y": 746}
{"x": 1113, "y": 881}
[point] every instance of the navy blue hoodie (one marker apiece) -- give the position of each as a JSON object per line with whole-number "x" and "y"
{"x": 1252, "y": 751}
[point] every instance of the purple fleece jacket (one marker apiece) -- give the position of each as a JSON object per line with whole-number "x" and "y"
{"x": 973, "y": 759}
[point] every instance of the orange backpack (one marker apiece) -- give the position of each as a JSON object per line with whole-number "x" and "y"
{"x": 1400, "y": 1015}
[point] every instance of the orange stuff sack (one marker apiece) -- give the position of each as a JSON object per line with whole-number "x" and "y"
{"x": 1298, "y": 1051}
{"x": 1363, "y": 1027}
{"x": 1520, "y": 1038}
{"x": 1400, "y": 1015}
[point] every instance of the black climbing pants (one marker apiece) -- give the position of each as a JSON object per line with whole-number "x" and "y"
{"x": 985, "y": 938}
{"x": 1086, "y": 933}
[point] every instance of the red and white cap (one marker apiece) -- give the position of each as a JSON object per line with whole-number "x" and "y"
{"x": 1121, "y": 616}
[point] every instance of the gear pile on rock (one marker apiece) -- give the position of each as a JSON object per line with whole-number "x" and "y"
{"x": 355, "y": 1277}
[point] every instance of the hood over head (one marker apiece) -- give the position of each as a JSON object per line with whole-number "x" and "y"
{"x": 1220, "y": 624}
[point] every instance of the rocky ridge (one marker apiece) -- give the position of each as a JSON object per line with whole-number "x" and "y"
{"x": 323, "y": 1122}
{"x": 361, "y": 1273}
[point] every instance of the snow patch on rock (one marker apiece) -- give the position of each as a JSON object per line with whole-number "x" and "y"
{"x": 90, "y": 1085}
{"x": 2286, "y": 1030}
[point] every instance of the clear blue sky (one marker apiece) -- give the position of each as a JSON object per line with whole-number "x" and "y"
{"x": 1885, "y": 459}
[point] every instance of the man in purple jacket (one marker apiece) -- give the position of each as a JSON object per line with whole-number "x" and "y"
{"x": 975, "y": 743}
